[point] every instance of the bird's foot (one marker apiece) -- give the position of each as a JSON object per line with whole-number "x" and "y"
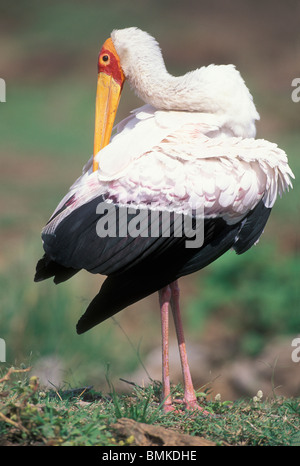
{"x": 191, "y": 405}
{"x": 169, "y": 408}
{"x": 194, "y": 406}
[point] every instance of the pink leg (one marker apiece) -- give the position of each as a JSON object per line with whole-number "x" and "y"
{"x": 190, "y": 399}
{"x": 164, "y": 300}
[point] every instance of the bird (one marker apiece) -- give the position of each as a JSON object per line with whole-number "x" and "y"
{"x": 167, "y": 191}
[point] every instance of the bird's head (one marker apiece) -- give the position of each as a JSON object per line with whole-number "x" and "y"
{"x": 126, "y": 54}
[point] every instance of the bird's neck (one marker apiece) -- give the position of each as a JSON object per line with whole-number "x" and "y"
{"x": 163, "y": 91}
{"x": 217, "y": 90}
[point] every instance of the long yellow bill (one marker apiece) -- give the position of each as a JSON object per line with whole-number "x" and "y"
{"x": 107, "y": 101}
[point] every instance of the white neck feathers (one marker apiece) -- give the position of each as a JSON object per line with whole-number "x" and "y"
{"x": 215, "y": 89}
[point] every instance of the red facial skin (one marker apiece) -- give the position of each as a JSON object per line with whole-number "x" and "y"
{"x": 109, "y": 63}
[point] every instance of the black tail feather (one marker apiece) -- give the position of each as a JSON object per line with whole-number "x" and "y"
{"x": 116, "y": 294}
{"x": 46, "y": 268}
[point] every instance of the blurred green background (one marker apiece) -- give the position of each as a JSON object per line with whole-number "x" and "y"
{"x": 241, "y": 313}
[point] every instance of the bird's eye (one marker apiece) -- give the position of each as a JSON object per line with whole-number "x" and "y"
{"x": 105, "y": 59}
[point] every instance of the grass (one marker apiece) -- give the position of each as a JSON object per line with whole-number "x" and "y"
{"x": 31, "y": 416}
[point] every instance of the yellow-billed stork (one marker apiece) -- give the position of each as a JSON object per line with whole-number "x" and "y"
{"x": 190, "y": 153}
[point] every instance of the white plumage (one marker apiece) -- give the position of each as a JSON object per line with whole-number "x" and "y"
{"x": 183, "y": 161}
{"x": 217, "y": 90}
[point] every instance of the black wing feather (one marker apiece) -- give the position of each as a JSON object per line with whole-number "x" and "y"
{"x": 252, "y": 228}
{"x": 136, "y": 266}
